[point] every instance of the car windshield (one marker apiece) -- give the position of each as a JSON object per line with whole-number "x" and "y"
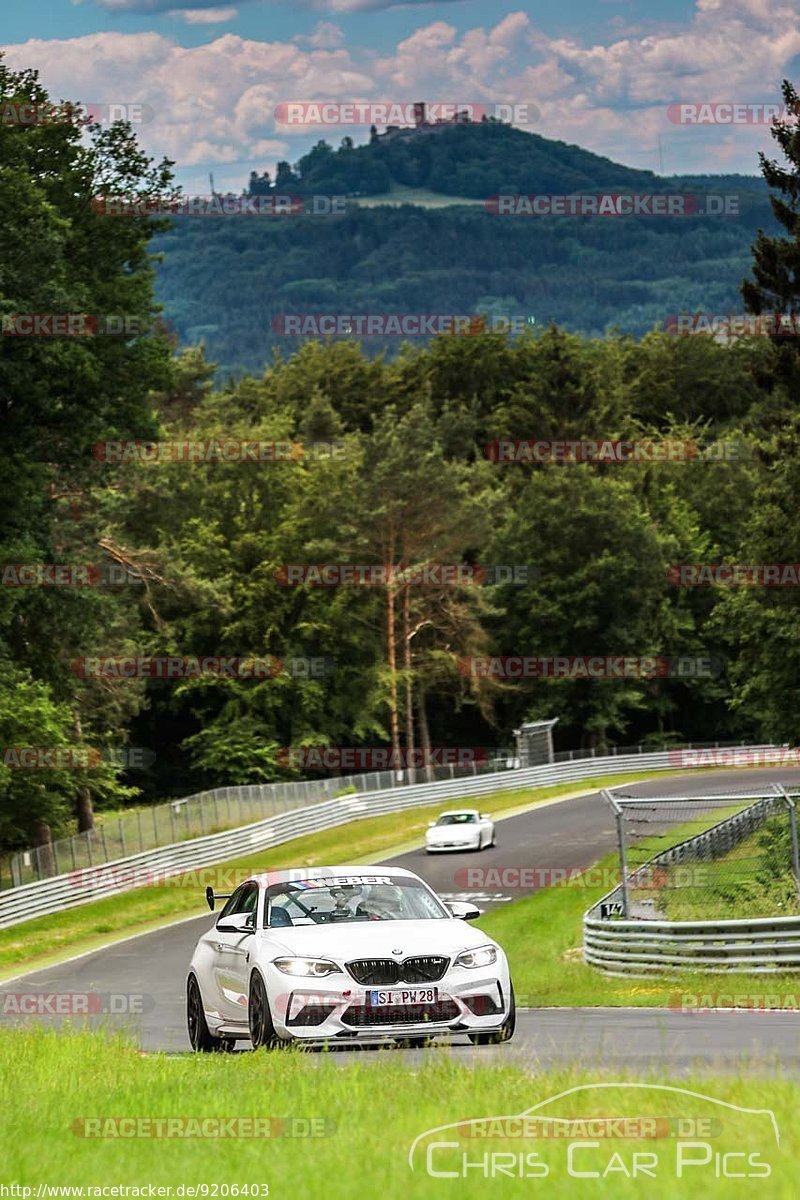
{"x": 458, "y": 819}
{"x": 331, "y": 901}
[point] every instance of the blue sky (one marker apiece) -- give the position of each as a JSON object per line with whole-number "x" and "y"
{"x": 601, "y": 73}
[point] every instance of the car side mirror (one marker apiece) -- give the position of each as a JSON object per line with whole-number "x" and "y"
{"x": 238, "y": 923}
{"x": 464, "y": 911}
{"x": 431, "y": 824}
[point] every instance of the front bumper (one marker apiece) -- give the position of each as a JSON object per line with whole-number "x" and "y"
{"x": 309, "y": 1011}
{"x": 438, "y": 847}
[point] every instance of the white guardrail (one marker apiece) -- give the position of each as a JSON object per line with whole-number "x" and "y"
{"x": 84, "y": 885}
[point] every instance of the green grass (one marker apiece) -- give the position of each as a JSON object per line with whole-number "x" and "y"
{"x": 754, "y": 878}
{"x": 401, "y": 194}
{"x": 379, "y": 1104}
{"x": 44, "y": 940}
{"x": 543, "y": 937}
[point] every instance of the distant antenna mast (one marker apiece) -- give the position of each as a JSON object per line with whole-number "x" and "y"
{"x": 211, "y": 182}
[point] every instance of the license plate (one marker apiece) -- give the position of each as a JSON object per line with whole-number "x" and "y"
{"x": 395, "y": 996}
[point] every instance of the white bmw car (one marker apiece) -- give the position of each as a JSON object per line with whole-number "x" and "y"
{"x": 462, "y": 829}
{"x": 345, "y": 954}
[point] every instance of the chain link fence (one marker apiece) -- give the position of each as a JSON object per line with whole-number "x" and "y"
{"x": 212, "y": 812}
{"x": 697, "y": 858}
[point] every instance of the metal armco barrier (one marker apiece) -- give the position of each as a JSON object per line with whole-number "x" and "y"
{"x": 79, "y": 887}
{"x": 639, "y": 948}
{"x": 645, "y": 946}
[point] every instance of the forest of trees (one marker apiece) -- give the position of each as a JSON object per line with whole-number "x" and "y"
{"x": 227, "y": 282}
{"x": 395, "y": 470}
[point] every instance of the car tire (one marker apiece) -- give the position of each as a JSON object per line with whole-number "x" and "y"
{"x": 504, "y": 1033}
{"x": 200, "y": 1036}
{"x": 262, "y": 1030}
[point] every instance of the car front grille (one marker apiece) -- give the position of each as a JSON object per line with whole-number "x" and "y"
{"x": 382, "y": 972}
{"x": 361, "y": 1016}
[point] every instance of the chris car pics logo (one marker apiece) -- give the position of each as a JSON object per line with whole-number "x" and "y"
{"x": 605, "y": 1132}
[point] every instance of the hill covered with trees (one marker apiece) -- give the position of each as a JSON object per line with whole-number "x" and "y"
{"x": 227, "y": 281}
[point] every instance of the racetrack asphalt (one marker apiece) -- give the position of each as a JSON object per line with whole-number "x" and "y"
{"x": 571, "y": 834}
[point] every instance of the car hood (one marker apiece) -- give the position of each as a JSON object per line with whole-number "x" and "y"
{"x": 376, "y": 939}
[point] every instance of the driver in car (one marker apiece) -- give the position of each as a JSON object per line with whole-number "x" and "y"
{"x": 380, "y": 904}
{"x": 345, "y": 900}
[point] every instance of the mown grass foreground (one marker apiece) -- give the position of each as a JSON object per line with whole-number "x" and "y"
{"x": 368, "y": 1110}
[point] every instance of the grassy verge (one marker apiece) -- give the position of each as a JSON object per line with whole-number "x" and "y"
{"x": 373, "y": 1108}
{"x": 401, "y": 194}
{"x": 43, "y": 940}
{"x": 754, "y": 878}
{"x": 543, "y": 937}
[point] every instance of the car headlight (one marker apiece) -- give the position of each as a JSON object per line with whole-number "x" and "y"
{"x": 484, "y": 956}
{"x": 306, "y": 966}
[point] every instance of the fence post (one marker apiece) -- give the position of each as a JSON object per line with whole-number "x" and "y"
{"x": 623, "y": 865}
{"x": 793, "y": 828}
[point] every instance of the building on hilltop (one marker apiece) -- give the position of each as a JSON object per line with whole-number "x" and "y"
{"x": 423, "y": 126}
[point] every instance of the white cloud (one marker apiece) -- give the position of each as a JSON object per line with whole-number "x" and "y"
{"x": 324, "y": 36}
{"x": 215, "y": 103}
{"x": 203, "y": 16}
